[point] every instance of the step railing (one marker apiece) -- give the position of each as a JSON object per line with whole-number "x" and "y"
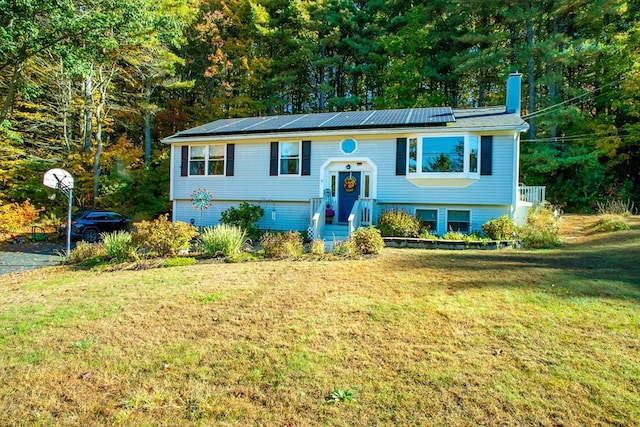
{"x": 361, "y": 215}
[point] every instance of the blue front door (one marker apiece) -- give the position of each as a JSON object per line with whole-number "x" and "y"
{"x": 348, "y": 193}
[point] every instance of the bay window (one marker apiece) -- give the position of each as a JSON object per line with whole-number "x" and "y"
{"x": 443, "y": 156}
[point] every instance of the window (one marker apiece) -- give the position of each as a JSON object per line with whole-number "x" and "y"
{"x": 196, "y": 161}
{"x": 473, "y": 154}
{"x": 428, "y": 218}
{"x": 216, "y": 160}
{"x": 348, "y": 146}
{"x": 289, "y": 158}
{"x": 207, "y": 160}
{"x": 458, "y": 221}
{"x": 442, "y": 156}
{"x": 413, "y": 155}
{"x": 367, "y": 185}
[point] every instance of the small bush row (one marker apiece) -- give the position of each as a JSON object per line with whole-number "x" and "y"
{"x": 161, "y": 238}
{"x": 541, "y": 228}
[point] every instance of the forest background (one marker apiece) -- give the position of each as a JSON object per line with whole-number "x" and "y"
{"x": 93, "y": 86}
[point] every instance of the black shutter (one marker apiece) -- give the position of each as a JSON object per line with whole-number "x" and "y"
{"x": 306, "y": 158}
{"x": 486, "y": 155}
{"x": 273, "y": 170}
{"x": 401, "y": 156}
{"x": 184, "y": 166}
{"x": 230, "y": 158}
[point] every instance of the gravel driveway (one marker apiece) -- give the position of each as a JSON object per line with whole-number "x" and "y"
{"x": 28, "y": 256}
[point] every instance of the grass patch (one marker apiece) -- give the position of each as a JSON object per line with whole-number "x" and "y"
{"x": 179, "y": 262}
{"x": 608, "y": 223}
{"x": 207, "y": 298}
{"x": 545, "y": 337}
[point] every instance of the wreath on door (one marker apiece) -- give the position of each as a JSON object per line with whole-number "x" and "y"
{"x": 350, "y": 184}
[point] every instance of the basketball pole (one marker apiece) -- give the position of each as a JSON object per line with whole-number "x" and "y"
{"x": 70, "y": 196}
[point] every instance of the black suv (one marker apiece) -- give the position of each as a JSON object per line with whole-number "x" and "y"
{"x": 87, "y": 225}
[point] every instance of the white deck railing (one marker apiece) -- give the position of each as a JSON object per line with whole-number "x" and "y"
{"x": 533, "y": 194}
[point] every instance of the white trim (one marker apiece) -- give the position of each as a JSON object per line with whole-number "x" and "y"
{"x": 344, "y": 133}
{"x": 299, "y": 173}
{"x": 339, "y": 164}
{"x": 355, "y": 141}
{"x": 207, "y": 160}
{"x": 516, "y": 173}
{"x": 172, "y": 169}
{"x": 439, "y": 175}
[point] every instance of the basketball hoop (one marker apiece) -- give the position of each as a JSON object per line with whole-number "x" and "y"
{"x": 60, "y": 179}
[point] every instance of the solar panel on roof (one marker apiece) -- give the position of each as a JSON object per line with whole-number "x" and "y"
{"x": 309, "y": 121}
{"x": 389, "y": 117}
{"x": 319, "y": 121}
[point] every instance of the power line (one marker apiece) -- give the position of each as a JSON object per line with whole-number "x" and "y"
{"x": 551, "y": 108}
{"x": 583, "y": 137}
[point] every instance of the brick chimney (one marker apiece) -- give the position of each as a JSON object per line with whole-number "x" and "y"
{"x": 514, "y": 82}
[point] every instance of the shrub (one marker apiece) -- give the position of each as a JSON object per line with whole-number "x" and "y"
{"x": 398, "y": 223}
{"x": 119, "y": 245}
{"x": 316, "y": 247}
{"x": 367, "y": 240}
{"x": 282, "y": 245}
{"x": 425, "y": 234}
{"x": 162, "y": 237}
{"x": 541, "y": 228}
{"x": 453, "y": 235}
{"x": 502, "y": 228}
{"x": 87, "y": 254}
{"x": 14, "y": 217}
{"x": 50, "y": 220}
{"x": 608, "y": 223}
{"x": 225, "y": 240}
{"x": 615, "y": 207}
{"x": 346, "y": 249}
{"x": 244, "y": 216}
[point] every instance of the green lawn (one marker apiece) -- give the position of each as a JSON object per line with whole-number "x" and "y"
{"x": 412, "y": 337}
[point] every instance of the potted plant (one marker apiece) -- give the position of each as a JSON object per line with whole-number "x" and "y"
{"x": 329, "y": 214}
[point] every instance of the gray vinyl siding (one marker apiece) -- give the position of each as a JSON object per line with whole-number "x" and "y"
{"x": 495, "y": 189}
{"x": 251, "y": 180}
{"x": 289, "y": 216}
{"x": 487, "y": 198}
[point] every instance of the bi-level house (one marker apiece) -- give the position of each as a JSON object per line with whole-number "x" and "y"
{"x": 452, "y": 168}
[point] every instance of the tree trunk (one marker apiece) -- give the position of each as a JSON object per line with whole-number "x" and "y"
{"x": 88, "y": 112}
{"x": 11, "y": 92}
{"x": 66, "y": 97}
{"x": 147, "y": 120}
{"x": 531, "y": 77}
{"x": 103, "y": 87}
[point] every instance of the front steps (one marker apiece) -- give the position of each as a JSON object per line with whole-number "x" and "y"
{"x": 334, "y": 233}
